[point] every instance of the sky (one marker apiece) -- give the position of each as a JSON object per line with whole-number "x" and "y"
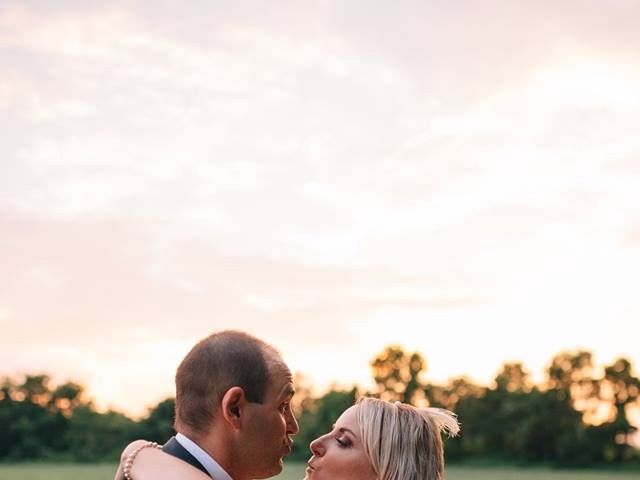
{"x": 459, "y": 178}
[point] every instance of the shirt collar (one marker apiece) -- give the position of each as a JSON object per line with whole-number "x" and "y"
{"x": 210, "y": 465}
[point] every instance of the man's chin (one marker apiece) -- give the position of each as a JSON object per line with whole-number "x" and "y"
{"x": 276, "y": 470}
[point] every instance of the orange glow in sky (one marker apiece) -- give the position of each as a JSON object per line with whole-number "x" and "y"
{"x": 462, "y": 180}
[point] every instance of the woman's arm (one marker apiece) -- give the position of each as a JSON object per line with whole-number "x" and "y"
{"x": 154, "y": 464}
{"x": 123, "y": 457}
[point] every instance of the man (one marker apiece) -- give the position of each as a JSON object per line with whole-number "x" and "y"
{"x": 233, "y": 412}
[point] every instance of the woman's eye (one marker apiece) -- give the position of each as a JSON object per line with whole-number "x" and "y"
{"x": 342, "y": 442}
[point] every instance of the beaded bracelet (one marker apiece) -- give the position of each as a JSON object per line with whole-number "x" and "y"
{"x": 132, "y": 456}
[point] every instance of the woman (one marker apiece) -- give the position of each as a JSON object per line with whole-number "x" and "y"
{"x": 372, "y": 440}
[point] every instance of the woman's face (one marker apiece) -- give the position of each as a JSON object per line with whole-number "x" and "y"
{"x": 340, "y": 454}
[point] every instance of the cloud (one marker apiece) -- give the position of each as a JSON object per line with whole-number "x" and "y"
{"x": 632, "y": 237}
{"x": 308, "y": 168}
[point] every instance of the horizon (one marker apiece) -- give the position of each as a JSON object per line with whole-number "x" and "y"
{"x": 305, "y": 382}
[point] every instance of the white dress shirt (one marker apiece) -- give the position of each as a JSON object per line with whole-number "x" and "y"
{"x": 213, "y": 467}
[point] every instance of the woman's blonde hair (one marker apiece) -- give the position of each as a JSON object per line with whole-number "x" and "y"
{"x": 404, "y": 442}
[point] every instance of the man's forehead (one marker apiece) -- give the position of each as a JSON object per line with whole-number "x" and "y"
{"x": 281, "y": 379}
{"x": 282, "y": 375}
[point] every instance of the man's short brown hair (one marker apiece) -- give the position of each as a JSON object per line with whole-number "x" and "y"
{"x": 214, "y": 365}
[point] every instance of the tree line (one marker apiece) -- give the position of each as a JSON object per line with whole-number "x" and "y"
{"x": 39, "y": 421}
{"x": 577, "y": 416}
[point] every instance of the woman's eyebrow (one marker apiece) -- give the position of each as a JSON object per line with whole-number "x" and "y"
{"x": 343, "y": 429}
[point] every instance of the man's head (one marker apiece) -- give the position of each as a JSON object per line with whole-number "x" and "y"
{"x": 232, "y": 396}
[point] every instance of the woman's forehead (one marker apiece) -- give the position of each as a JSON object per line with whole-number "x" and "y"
{"x": 349, "y": 418}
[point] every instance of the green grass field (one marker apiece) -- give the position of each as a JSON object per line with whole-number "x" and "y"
{"x": 296, "y": 472}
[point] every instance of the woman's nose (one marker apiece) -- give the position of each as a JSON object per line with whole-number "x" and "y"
{"x": 317, "y": 447}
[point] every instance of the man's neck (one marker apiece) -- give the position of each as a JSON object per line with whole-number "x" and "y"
{"x": 210, "y": 457}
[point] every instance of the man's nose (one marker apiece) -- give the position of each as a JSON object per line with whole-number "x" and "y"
{"x": 292, "y": 424}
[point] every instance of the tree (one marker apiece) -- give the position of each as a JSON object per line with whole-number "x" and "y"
{"x": 35, "y": 390}
{"x": 66, "y": 398}
{"x": 449, "y": 395}
{"x": 29, "y": 429}
{"x": 623, "y": 390}
{"x": 513, "y": 378}
{"x": 396, "y": 374}
{"x": 38, "y": 421}
{"x": 318, "y": 416}
{"x": 570, "y": 376}
{"x": 7, "y": 389}
{"x": 94, "y": 436}
{"x": 158, "y": 425}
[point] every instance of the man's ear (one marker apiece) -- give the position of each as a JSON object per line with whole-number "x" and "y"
{"x": 233, "y": 403}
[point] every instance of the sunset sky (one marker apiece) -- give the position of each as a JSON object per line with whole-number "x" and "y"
{"x": 461, "y": 178}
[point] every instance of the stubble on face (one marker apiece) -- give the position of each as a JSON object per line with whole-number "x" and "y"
{"x": 272, "y": 423}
